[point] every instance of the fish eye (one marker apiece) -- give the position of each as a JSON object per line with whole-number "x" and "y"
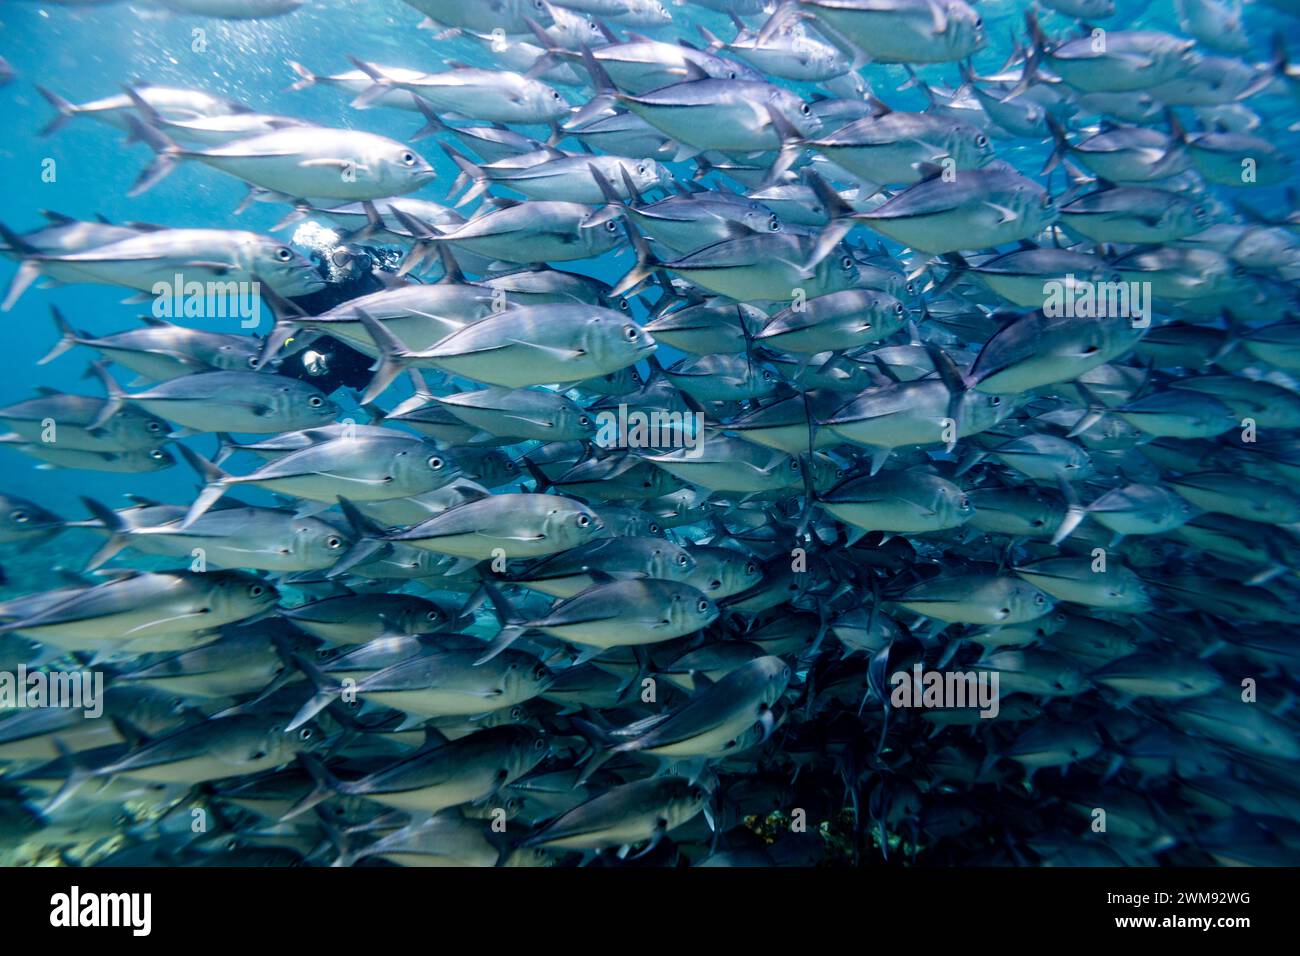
{"x": 157, "y": 454}
{"x": 1238, "y": 272}
{"x": 555, "y": 94}
{"x": 584, "y": 421}
{"x": 435, "y": 462}
{"x": 964, "y": 501}
{"x": 640, "y": 169}
{"x": 1039, "y": 599}
{"x": 703, "y": 606}
{"x": 774, "y": 224}
{"x": 583, "y": 521}
{"x": 539, "y": 744}
{"x": 539, "y": 672}
{"x": 629, "y": 333}
{"x": 333, "y": 542}
{"x": 979, "y": 23}
{"x": 847, "y": 262}
{"x": 995, "y": 401}
{"x": 315, "y": 401}
{"x": 981, "y": 140}
{"x": 431, "y": 615}
{"x": 611, "y": 226}
{"x": 767, "y": 376}
{"x": 751, "y": 568}
{"x": 252, "y": 361}
{"x": 681, "y": 560}
{"x": 256, "y": 590}
{"x": 283, "y": 254}
{"x": 1047, "y": 200}
{"x": 408, "y": 158}
{"x": 653, "y": 528}
{"x": 624, "y": 306}
{"x": 304, "y": 734}
{"x": 898, "y": 309}
{"x": 154, "y": 427}
{"x": 21, "y": 517}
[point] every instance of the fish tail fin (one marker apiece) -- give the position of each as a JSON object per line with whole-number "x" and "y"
{"x": 65, "y": 110}
{"x": 1033, "y": 56}
{"x": 1074, "y": 513}
{"x": 469, "y": 171}
{"x": 166, "y": 154}
{"x": 606, "y": 93}
{"x": 394, "y": 356}
{"x": 215, "y": 483}
{"x": 305, "y": 79}
{"x": 68, "y": 336}
{"x": 791, "y": 144}
{"x": 379, "y": 84}
{"x": 326, "y": 785}
{"x": 714, "y": 43}
{"x": 339, "y": 839}
{"x": 116, "y": 397}
{"x": 226, "y": 446}
{"x": 539, "y": 477}
{"x": 300, "y": 211}
{"x": 78, "y": 775}
{"x": 1059, "y": 149}
{"x": 27, "y": 273}
{"x": 600, "y": 753}
{"x": 512, "y": 626}
{"x": 284, "y": 322}
{"x": 614, "y": 206}
{"x": 432, "y": 124}
{"x": 840, "y": 214}
{"x": 645, "y": 264}
{"x": 326, "y": 692}
{"x": 776, "y": 21}
{"x": 369, "y": 541}
{"x": 1177, "y": 131}
{"x": 957, "y": 384}
{"x": 115, "y": 527}
{"x": 374, "y": 223}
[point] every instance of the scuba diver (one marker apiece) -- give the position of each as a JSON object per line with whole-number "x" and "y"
{"x": 349, "y": 272}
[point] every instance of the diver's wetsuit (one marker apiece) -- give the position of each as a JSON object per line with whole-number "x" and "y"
{"x": 330, "y": 364}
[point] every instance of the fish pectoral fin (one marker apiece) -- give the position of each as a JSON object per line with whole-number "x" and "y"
{"x": 336, "y": 163}
{"x": 215, "y": 266}
{"x": 559, "y": 353}
{"x": 192, "y": 615}
{"x": 1004, "y": 214}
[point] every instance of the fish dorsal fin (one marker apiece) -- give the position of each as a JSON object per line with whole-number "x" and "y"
{"x": 701, "y": 680}
{"x": 878, "y": 106}
{"x": 133, "y": 735}
{"x": 695, "y": 72}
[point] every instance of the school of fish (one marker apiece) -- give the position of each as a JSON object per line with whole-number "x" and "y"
{"x": 932, "y": 338}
